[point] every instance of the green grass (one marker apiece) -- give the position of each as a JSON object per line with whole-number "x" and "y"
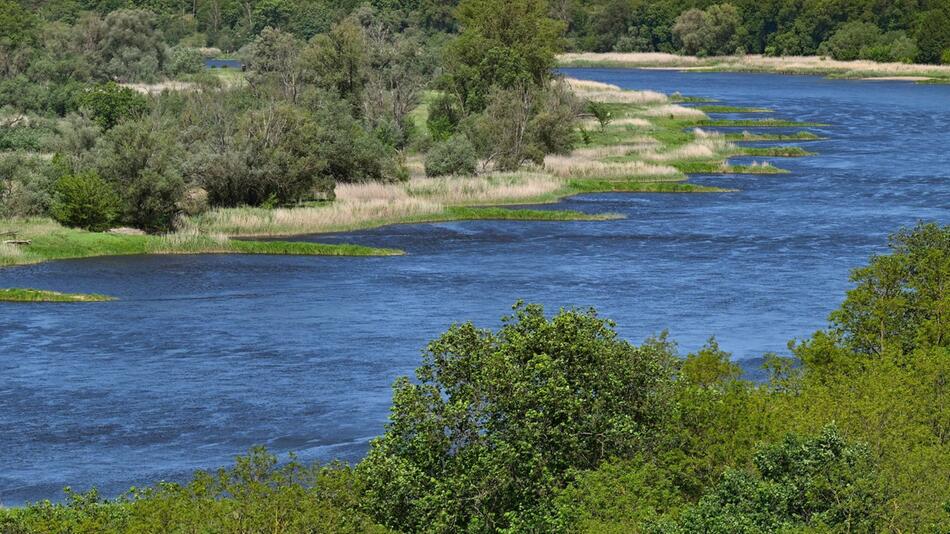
{"x": 50, "y": 241}
{"x": 505, "y": 214}
{"x": 757, "y": 123}
{"x": 632, "y": 186}
{"x": 773, "y": 151}
{"x": 732, "y": 109}
{"x": 717, "y": 167}
{"x": 797, "y": 136}
{"x": 39, "y": 295}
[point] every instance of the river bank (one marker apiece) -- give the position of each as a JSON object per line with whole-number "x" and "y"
{"x": 814, "y": 65}
{"x": 649, "y": 144}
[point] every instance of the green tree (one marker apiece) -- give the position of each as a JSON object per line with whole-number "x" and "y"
{"x": 338, "y": 62}
{"x": 142, "y": 159}
{"x": 901, "y": 301}
{"x": 129, "y": 47}
{"x": 497, "y": 421}
{"x": 803, "y": 483}
{"x": 717, "y": 30}
{"x": 19, "y": 30}
{"x": 503, "y": 43}
{"x": 453, "y": 156}
{"x": 85, "y": 201}
{"x": 109, "y": 103}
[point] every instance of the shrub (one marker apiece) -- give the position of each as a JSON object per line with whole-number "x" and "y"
{"x": 110, "y": 103}
{"x": 183, "y": 60}
{"x": 945, "y": 57}
{"x": 85, "y": 201}
{"x": 453, "y": 156}
{"x": 443, "y": 119}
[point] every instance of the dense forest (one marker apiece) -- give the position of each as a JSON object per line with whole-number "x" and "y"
{"x": 554, "y": 424}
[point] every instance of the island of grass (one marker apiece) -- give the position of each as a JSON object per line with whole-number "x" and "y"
{"x": 39, "y": 295}
{"x": 649, "y": 145}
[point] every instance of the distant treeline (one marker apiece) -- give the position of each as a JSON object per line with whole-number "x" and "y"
{"x": 910, "y": 30}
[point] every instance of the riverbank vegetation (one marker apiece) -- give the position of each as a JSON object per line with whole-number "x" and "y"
{"x": 371, "y": 117}
{"x": 555, "y": 424}
{"x": 37, "y": 295}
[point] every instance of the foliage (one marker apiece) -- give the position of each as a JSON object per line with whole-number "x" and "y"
{"x": 256, "y": 495}
{"x": 85, "y": 201}
{"x": 184, "y": 60}
{"x": 141, "y": 158}
{"x": 821, "y": 482}
{"x": 601, "y": 112}
{"x": 453, "y": 156}
{"x": 900, "y": 303}
{"x": 130, "y": 48}
{"x": 110, "y": 103}
{"x": 717, "y": 30}
{"x": 505, "y": 44}
{"x": 496, "y": 420}
{"x": 523, "y": 124}
{"x": 860, "y": 40}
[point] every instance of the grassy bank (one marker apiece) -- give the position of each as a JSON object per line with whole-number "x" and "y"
{"x": 650, "y": 145}
{"x": 38, "y": 295}
{"x": 51, "y": 241}
{"x": 757, "y": 63}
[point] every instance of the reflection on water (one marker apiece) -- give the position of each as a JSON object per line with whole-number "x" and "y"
{"x": 205, "y": 356}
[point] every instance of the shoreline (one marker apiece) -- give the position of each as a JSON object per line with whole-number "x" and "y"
{"x": 788, "y": 65}
{"x": 651, "y": 144}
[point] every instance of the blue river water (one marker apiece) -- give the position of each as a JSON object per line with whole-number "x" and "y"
{"x": 204, "y": 356}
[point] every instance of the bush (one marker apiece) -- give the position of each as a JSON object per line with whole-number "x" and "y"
{"x": 444, "y": 117}
{"x": 184, "y": 60}
{"x": 85, "y": 201}
{"x": 453, "y": 156}
{"x": 110, "y": 103}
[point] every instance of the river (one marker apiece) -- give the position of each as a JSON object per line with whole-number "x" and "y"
{"x": 205, "y": 356}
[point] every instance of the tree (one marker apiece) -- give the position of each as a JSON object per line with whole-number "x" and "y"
{"x": 129, "y": 47}
{"x": 273, "y": 61}
{"x": 338, "y": 62}
{"x": 803, "y": 483}
{"x": 497, "y": 421}
{"x": 850, "y": 40}
{"x": 142, "y": 160}
{"x": 109, "y": 103}
{"x": 901, "y": 302}
{"x": 715, "y": 31}
{"x": 18, "y": 33}
{"x": 85, "y": 201}
{"x": 503, "y": 43}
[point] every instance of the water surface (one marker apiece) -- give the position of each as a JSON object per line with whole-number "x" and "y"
{"x": 205, "y": 356}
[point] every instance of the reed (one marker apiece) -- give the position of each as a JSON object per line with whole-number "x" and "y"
{"x": 577, "y": 167}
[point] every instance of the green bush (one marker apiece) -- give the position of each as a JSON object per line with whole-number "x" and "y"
{"x": 945, "y": 57}
{"x": 183, "y": 60}
{"x": 110, "y": 103}
{"x": 443, "y": 118}
{"x": 454, "y": 156}
{"x": 85, "y": 201}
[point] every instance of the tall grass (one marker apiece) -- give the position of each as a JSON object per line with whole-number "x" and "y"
{"x": 607, "y": 93}
{"x": 579, "y": 167}
{"x": 674, "y": 111}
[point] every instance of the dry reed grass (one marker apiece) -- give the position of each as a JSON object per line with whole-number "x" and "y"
{"x": 674, "y": 111}
{"x": 612, "y": 94}
{"x": 580, "y": 167}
